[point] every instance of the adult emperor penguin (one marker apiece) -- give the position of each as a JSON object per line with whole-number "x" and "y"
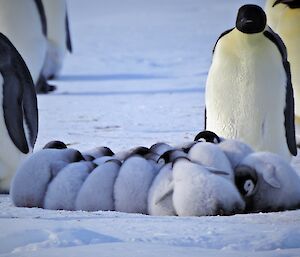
{"x": 24, "y": 23}
{"x": 58, "y": 35}
{"x": 284, "y": 19}
{"x": 18, "y": 112}
{"x": 249, "y": 94}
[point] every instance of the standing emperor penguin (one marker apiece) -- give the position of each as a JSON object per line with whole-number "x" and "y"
{"x": 24, "y": 24}
{"x": 249, "y": 94}
{"x": 18, "y": 112}
{"x": 58, "y": 35}
{"x": 284, "y": 18}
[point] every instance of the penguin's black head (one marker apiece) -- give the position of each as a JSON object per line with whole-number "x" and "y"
{"x": 207, "y": 136}
{"x": 293, "y": 4}
{"x": 251, "y": 19}
{"x": 55, "y": 145}
{"x": 245, "y": 180}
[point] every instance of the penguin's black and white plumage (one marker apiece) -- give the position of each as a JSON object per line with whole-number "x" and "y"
{"x": 28, "y": 33}
{"x": 18, "y": 112}
{"x": 58, "y": 36}
{"x": 284, "y": 18}
{"x": 249, "y": 94}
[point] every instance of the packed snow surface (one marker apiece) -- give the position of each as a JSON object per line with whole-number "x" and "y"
{"x": 137, "y": 77}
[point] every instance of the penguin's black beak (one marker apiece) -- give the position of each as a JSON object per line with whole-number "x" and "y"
{"x": 282, "y": 2}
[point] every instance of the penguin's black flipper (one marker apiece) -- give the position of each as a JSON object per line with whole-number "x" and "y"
{"x": 42, "y": 14}
{"x": 222, "y": 35}
{"x": 289, "y": 112}
{"x": 19, "y": 98}
{"x": 68, "y": 35}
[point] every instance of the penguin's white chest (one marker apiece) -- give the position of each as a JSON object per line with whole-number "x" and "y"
{"x": 10, "y": 155}
{"x": 245, "y": 92}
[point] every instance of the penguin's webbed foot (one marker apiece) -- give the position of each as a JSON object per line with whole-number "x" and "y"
{"x": 42, "y": 86}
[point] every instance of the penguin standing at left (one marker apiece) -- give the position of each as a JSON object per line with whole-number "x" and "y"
{"x": 18, "y": 112}
{"x": 249, "y": 94}
{"x": 24, "y": 24}
{"x": 58, "y": 36}
{"x": 284, "y": 18}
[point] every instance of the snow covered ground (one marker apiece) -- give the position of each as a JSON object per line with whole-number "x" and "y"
{"x": 136, "y": 77}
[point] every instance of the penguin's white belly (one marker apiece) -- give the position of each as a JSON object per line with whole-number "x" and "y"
{"x": 10, "y": 155}
{"x": 245, "y": 94}
{"x": 20, "y": 22}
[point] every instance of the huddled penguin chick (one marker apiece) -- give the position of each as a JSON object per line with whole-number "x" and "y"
{"x": 63, "y": 190}
{"x": 55, "y": 145}
{"x": 98, "y": 152}
{"x": 160, "y": 196}
{"x": 200, "y": 192}
{"x": 28, "y": 33}
{"x": 132, "y": 185}
{"x": 211, "y": 155}
{"x": 160, "y": 148}
{"x": 235, "y": 151}
{"x": 284, "y": 19}
{"x": 170, "y": 156}
{"x": 97, "y": 192}
{"x": 207, "y": 136}
{"x": 268, "y": 183}
{"x": 58, "y": 36}
{"x": 30, "y": 183}
{"x": 254, "y": 103}
{"x": 18, "y": 111}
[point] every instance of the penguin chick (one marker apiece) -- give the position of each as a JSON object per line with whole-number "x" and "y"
{"x": 101, "y": 160}
{"x": 254, "y": 100}
{"x": 170, "y": 156}
{"x": 268, "y": 183}
{"x": 99, "y": 152}
{"x": 160, "y": 148}
{"x": 199, "y": 192}
{"x": 55, "y": 145}
{"x": 160, "y": 194}
{"x": 132, "y": 185}
{"x": 211, "y": 155}
{"x": 96, "y": 192}
{"x": 235, "y": 151}
{"x": 30, "y": 183}
{"x": 207, "y": 136}
{"x": 139, "y": 150}
{"x": 63, "y": 189}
